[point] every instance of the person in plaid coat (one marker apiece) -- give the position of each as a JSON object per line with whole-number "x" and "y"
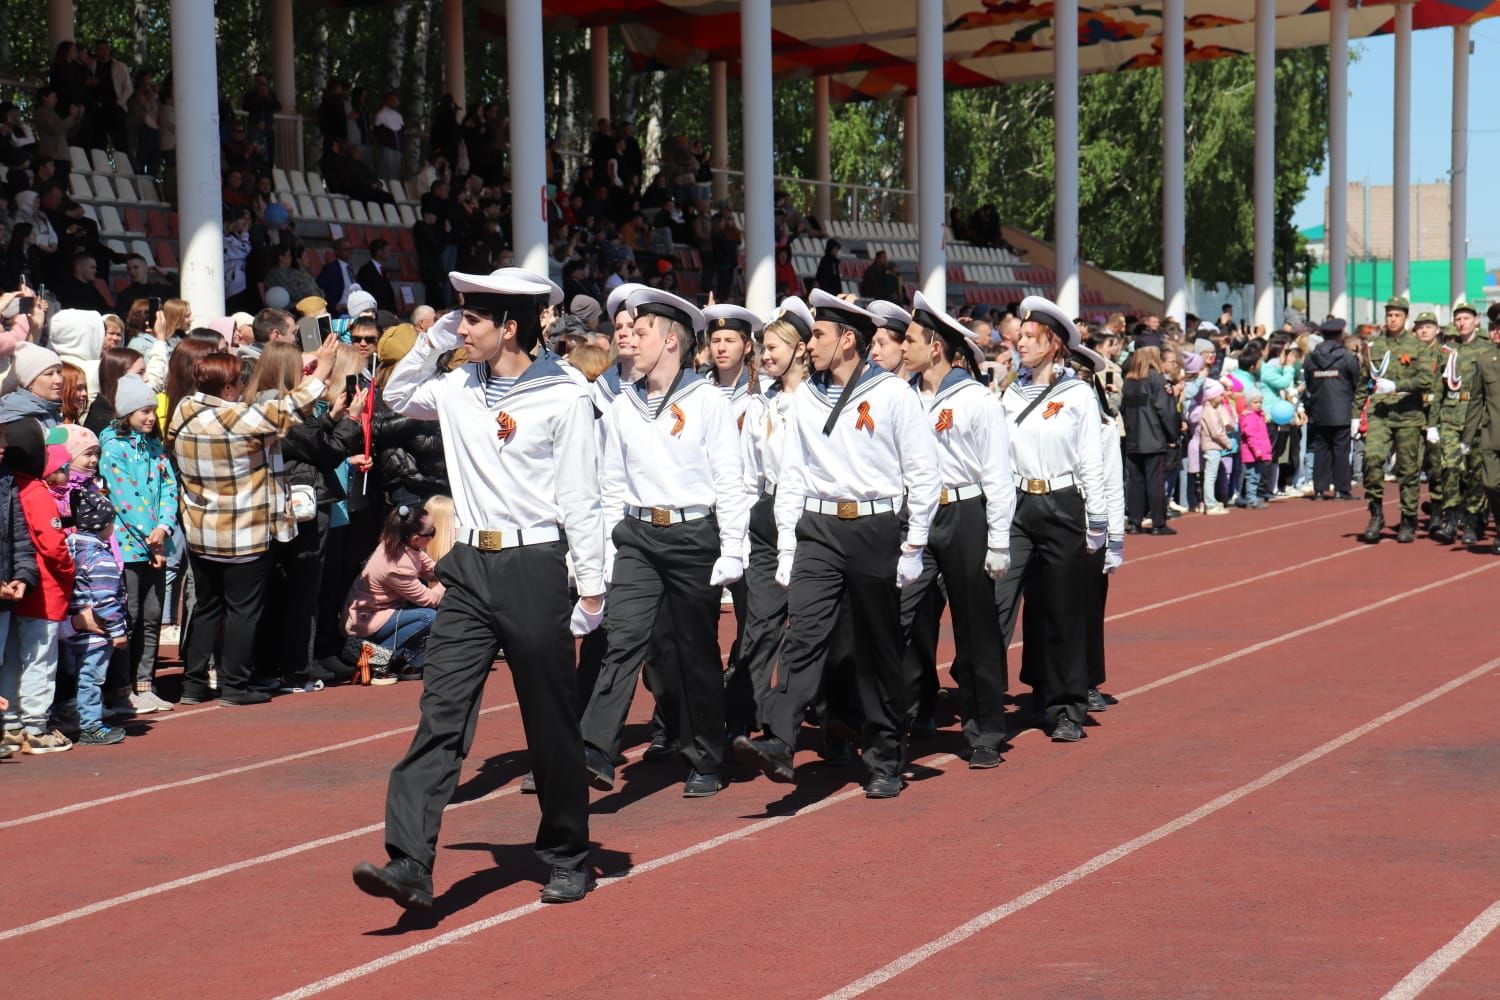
{"x": 235, "y": 502}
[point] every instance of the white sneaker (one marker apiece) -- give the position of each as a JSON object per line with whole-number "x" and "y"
{"x": 1173, "y": 505}
{"x": 171, "y": 635}
{"x": 144, "y": 703}
{"x": 1216, "y": 510}
{"x": 213, "y": 678}
{"x": 1306, "y": 491}
{"x": 162, "y": 704}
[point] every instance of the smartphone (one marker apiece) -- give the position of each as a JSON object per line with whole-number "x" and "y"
{"x": 325, "y": 326}
{"x": 25, "y": 280}
{"x": 154, "y": 307}
{"x": 351, "y": 386}
{"x": 25, "y": 304}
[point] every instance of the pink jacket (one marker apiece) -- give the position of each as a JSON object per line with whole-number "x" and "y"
{"x": 388, "y": 584}
{"x": 1255, "y": 439}
{"x": 1212, "y": 432}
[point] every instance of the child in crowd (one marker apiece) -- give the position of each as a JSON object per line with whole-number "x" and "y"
{"x": 141, "y": 484}
{"x": 18, "y": 570}
{"x": 1255, "y": 450}
{"x": 395, "y": 599}
{"x": 1213, "y": 441}
{"x": 98, "y": 587}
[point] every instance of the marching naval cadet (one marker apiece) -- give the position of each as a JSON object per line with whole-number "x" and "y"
{"x": 1061, "y": 509}
{"x": 969, "y": 543}
{"x": 856, "y": 440}
{"x": 675, "y": 510}
{"x": 886, "y": 346}
{"x": 784, "y": 360}
{"x": 607, "y": 386}
{"x": 731, "y": 351}
{"x": 518, "y": 437}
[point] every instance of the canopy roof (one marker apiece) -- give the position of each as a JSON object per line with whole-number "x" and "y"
{"x": 870, "y": 46}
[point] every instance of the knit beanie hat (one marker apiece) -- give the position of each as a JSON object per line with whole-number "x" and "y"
{"x": 79, "y": 440}
{"x": 57, "y": 458}
{"x": 92, "y": 512}
{"x": 1192, "y": 364}
{"x": 29, "y": 361}
{"x": 360, "y": 301}
{"x": 131, "y": 394}
{"x": 1213, "y": 390}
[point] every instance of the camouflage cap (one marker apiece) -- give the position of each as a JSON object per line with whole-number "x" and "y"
{"x": 1426, "y": 317}
{"x": 1397, "y": 302}
{"x": 1464, "y": 305}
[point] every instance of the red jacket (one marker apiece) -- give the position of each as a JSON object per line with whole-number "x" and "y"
{"x": 54, "y": 565}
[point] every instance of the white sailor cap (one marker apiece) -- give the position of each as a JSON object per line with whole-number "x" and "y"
{"x": 794, "y": 311}
{"x": 730, "y": 317}
{"x": 957, "y": 336}
{"x": 507, "y": 281}
{"x": 890, "y": 316}
{"x": 1035, "y": 309}
{"x": 646, "y": 301}
{"x": 615, "y": 304}
{"x": 1090, "y": 358}
{"x": 831, "y": 309}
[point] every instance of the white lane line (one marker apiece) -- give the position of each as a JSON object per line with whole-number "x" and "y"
{"x": 216, "y": 775}
{"x": 1447, "y": 956}
{"x": 967, "y": 930}
{"x": 468, "y": 930}
{"x": 1257, "y": 533}
{"x": 1237, "y": 583}
{"x": 230, "y": 869}
{"x": 1298, "y": 633}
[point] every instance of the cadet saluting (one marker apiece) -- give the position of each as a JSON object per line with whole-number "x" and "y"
{"x": 518, "y": 437}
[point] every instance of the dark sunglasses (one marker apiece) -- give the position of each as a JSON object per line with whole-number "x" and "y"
{"x": 429, "y": 533}
{"x": 364, "y": 340}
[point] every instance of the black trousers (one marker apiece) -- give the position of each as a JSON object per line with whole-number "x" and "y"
{"x": 764, "y": 621}
{"x": 1049, "y": 564}
{"x": 517, "y": 598}
{"x": 1034, "y": 621}
{"x": 1145, "y": 488}
{"x": 284, "y": 652}
{"x": 1330, "y": 448}
{"x": 956, "y": 549}
{"x": 231, "y": 596}
{"x": 856, "y": 557}
{"x": 655, "y": 567}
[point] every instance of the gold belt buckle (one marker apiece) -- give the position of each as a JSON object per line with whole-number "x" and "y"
{"x": 848, "y": 510}
{"x": 489, "y": 541}
{"x": 661, "y": 516}
{"x": 1036, "y": 486}
{"x": 943, "y": 497}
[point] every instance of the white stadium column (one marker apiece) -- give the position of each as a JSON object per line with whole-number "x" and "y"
{"x": 755, "y": 62}
{"x": 1065, "y": 153}
{"x": 528, "y": 129}
{"x": 1458, "y": 230}
{"x": 284, "y": 55}
{"x": 1174, "y": 167}
{"x": 822, "y": 157}
{"x": 1401, "y": 172}
{"x": 932, "y": 273}
{"x": 59, "y": 24}
{"x": 1264, "y": 311}
{"x": 599, "y": 70}
{"x": 453, "y": 51}
{"x": 718, "y": 156}
{"x": 909, "y": 159}
{"x": 1336, "y": 236}
{"x": 200, "y": 202}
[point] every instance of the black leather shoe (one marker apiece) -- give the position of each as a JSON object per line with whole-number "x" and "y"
{"x": 1097, "y": 702}
{"x": 1131, "y": 528}
{"x": 1066, "y": 731}
{"x": 984, "y": 758}
{"x": 1342, "y": 496}
{"x": 567, "y": 885}
{"x": 836, "y": 749}
{"x": 662, "y": 746}
{"x": 1495, "y": 546}
{"x": 1371, "y": 534}
{"x": 1163, "y": 529}
{"x": 601, "y": 771}
{"x": 701, "y": 786}
{"x": 251, "y": 697}
{"x": 528, "y": 784}
{"x": 1406, "y": 531}
{"x": 767, "y": 754}
{"x": 403, "y": 880}
{"x": 883, "y": 786}
{"x": 923, "y": 728}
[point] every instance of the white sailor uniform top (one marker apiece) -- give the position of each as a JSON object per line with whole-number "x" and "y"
{"x": 740, "y": 397}
{"x": 973, "y": 448}
{"x": 1059, "y": 443}
{"x": 525, "y": 461}
{"x": 678, "y": 452}
{"x": 1114, "y": 480}
{"x": 879, "y": 449}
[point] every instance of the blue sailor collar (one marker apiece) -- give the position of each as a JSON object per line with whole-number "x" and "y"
{"x": 686, "y": 383}
{"x": 544, "y": 371}
{"x": 868, "y": 376}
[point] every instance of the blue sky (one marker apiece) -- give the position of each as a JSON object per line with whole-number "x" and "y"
{"x": 1370, "y": 108}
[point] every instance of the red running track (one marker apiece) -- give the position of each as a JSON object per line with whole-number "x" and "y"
{"x": 1293, "y": 798}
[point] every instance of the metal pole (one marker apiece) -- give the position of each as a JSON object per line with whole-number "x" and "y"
{"x": 1458, "y": 231}
{"x": 932, "y": 271}
{"x": 822, "y": 158}
{"x": 1265, "y": 162}
{"x": 1065, "y": 152}
{"x": 719, "y": 154}
{"x": 1337, "y": 234}
{"x": 200, "y": 205}
{"x": 528, "y": 126}
{"x": 1174, "y": 163}
{"x": 599, "y": 66}
{"x": 1401, "y": 174}
{"x": 755, "y": 63}
{"x": 453, "y": 51}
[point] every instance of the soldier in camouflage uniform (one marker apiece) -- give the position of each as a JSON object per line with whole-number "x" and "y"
{"x": 1481, "y": 435}
{"x": 1425, "y": 328}
{"x": 1463, "y": 511}
{"x": 1400, "y": 371}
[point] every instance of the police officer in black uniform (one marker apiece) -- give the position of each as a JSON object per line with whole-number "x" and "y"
{"x": 1332, "y": 372}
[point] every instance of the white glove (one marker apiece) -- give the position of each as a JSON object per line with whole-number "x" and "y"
{"x": 582, "y": 622}
{"x": 1095, "y": 539}
{"x": 1114, "y": 558}
{"x": 909, "y": 567}
{"x": 444, "y": 335}
{"x": 1464, "y": 450}
{"x": 1384, "y": 385}
{"x": 784, "y": 569}
{"x": 996, "y": 562}
{"x": 1432, "y": 435}
{"x": 1354, "y": 428}
{"x": 727, "y": 569}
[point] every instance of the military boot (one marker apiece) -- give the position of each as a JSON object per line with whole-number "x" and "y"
{"x": 1471, "y": 528}
{"x": 1442, "y": 529}
{"x": 1407, "y": 530}
{"x": 1376, "y": 526}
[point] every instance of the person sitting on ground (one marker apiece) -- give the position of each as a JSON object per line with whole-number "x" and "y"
{"x": 395, "y": 599}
